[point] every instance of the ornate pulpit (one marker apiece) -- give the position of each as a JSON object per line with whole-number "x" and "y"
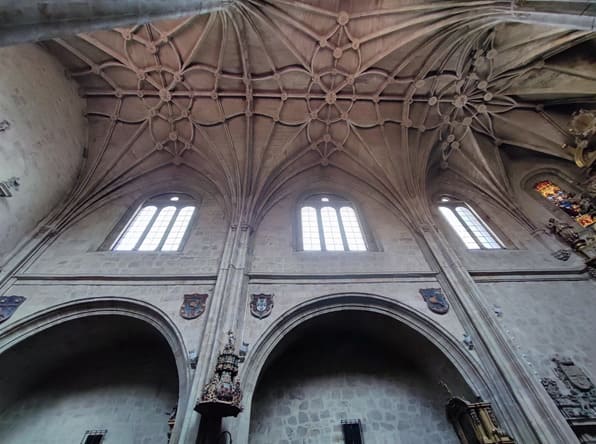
{"x": 222, "y": 395}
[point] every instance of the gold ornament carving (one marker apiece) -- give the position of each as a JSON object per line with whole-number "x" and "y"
{"x": 583, "y": 128}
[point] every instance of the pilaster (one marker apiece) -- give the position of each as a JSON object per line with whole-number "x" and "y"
{"x": 526, "y": 409}
{"x": 222, "y": 314}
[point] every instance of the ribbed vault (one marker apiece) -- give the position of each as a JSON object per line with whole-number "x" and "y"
{"x": 250, "y": 97}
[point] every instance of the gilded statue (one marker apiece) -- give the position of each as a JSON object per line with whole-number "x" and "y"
{"x": 583, "y": 128}
{"x": 566, "y": 232}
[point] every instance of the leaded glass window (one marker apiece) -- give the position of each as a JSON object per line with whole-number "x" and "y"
{"x": 161, "y": 224}
{"x": 472, "y": 231}
{"x": 330, "y": 223}
{"x": 578, "y": 207}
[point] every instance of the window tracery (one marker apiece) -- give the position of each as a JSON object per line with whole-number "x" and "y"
{"x": 472, "y": 231}
{"x": 161, "y": 224}
{"x": 330, "y": 223}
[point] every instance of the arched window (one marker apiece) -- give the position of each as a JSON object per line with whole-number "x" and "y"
{"x": 474, "y": 233}
{"x": 161, "y": 224}
{"x": 578, "y": 207}
{"x": 330, "y": 223}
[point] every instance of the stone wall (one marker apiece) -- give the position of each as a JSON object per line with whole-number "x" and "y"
{"x": 80, "y": 249}
{"x": 102, "y": 373}
{"x": 394, "y": 248}
{"x": 337, "y": 373}
{"x": 538, "y": 318}
{"x": 163, "y": 296}
{"x": 544, "y": 319}
{"x": 127, "y": 396}
{"x": 527, "y": 248}
{"x": 43, "y": 145}
{"x": 395, "y": 407}
{"x": 290, "y": 293}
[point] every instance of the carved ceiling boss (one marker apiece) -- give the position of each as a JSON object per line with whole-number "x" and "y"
{"x": 250, "y": 97}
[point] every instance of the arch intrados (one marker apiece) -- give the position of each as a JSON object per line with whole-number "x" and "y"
{"x": 38, "y": 322}
{"x": 429, "y": 330}
{"x": 441, "y": 339}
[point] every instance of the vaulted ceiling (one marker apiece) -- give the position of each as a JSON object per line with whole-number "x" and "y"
{"x": 389, "y": 92}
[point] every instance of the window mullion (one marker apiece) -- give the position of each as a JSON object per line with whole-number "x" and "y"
{"x": 321, "y": 234}
{"x": 341, "y": 229}
{"x": 147, "y": 228}
{"x": 299, "y": 237}
{"x": 167, "y": 232}
{"x": 468, "y": 229}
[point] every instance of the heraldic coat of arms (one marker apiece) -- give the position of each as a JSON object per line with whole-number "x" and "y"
{"x": 435, "y": 300}
{"x": 8, "y": 305}
{"x": 193, "y": 305}
{"x": 261, "y": 305}
{"x": 578, "y": 401}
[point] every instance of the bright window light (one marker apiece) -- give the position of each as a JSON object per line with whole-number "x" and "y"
{"x": 178, "y": 229}
{"x": 310, "y": 229}
{"x": 158, "y": 229}
{"x": 161, "y": 224}
{"x": 461, "y": 231}
{"x": 488, "y": 240}
{"x": 352, "y": 229}
{"x": 330, "y": 223}
{"x": 136, "y": 229}
{"x": 471, "y": 230}
{"x": 333, "y": 241}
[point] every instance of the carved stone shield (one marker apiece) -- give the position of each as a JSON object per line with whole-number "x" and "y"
{"x": 193, "y": 305}
{"x": 562, "y": 255}
{"x": 567, "y": 369}
{"x": 261, "y": 305}
{"x": 8, "y": 305}
{"x": 435, "y": 300}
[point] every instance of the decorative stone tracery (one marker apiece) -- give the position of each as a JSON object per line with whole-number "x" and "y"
{"x": 384, "y": 95}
